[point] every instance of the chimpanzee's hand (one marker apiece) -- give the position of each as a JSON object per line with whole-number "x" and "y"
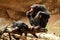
{"x": 36, "y": 27}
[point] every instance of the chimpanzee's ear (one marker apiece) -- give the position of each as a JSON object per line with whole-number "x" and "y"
{"x": 14, "y": 21}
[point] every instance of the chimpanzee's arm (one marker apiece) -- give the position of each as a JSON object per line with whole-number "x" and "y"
{"x": 29, "y": 15}
{"x": 47, "y": 15}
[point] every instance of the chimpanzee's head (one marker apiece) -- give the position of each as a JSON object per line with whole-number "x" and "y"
{"x": 17, "y": 23}
{"x": 38, "y": 7}
{"x": 14, "y": 23}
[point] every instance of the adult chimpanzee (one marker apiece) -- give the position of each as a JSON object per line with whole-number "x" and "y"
{"x": 38, "y": 15}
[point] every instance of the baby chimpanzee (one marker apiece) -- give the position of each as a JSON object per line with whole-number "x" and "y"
{"x": 20, "y": 25}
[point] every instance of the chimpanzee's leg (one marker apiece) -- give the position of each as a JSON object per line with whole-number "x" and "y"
{"x": 44, "y": 23}
{"x": 20, "y": 32}
{"x": 35, "y": 35}
{"x": 25, "y": 34}
{"x": 26, "y": 27}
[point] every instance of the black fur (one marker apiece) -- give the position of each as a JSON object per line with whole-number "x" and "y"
{"x": 41, "y": 21}
{"x": 20, "y": 26}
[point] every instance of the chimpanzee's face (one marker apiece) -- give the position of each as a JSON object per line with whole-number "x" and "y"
{"x": 14, "y": 24}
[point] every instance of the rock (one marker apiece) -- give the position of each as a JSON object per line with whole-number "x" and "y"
{"x": 15, "y": 9}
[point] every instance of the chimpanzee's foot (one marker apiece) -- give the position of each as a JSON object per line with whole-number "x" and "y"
{"x": 20, "y": 34}
{"x": 43, "y": 29}
{"x": 36, "y": 28}
{"x": 25, "y": 34}
{"x": 35, "y": 35}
